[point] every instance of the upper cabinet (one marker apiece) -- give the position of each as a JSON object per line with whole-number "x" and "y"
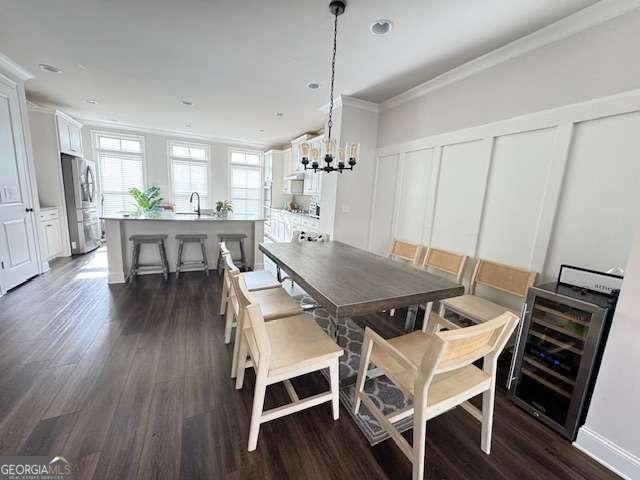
{"x": 69, "y": 135}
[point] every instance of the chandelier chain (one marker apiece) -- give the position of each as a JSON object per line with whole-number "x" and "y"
{"x": 333, "y": 72}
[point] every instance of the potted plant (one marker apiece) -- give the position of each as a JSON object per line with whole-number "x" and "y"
{"x": 223, "y": 208}
{"x": 147, "y": 201}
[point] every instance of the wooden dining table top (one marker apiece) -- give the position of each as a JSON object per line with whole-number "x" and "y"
{"x": 349, "y": 281}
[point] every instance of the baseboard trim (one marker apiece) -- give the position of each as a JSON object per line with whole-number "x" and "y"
{"x": 115, "y": 278}
{"x": 610, "y": 455}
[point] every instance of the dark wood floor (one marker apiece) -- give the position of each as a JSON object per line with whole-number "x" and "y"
{"x": 130, "y": 382}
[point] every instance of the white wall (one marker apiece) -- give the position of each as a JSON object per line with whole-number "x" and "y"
{"x": 353, "y": 189}
{"x": 612, "y": 430}
{"x": 594, "y": 63}
{"x": 44, "y": 141}
{"x": 156, "y": 158}
{"x": 535, "y": 162}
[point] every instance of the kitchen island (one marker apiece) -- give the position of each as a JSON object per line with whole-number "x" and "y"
{"x": 120, "y": 227}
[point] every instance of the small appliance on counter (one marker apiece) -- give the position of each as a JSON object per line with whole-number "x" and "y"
{"x": 565, "y": 328}
{"x": 314, "y": 209}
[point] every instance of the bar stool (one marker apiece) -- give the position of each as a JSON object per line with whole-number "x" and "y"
{"x": 136, "y": 266}
{"x": 232, "y": 237}
{"x": 200, "y": 238}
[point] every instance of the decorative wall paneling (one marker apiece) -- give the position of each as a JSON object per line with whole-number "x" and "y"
{"x": 494, "y": 191}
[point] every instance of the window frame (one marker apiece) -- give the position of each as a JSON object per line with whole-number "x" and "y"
{"x": 259, "y": 167}
{"x": 96, "y": 149}
{"x": 170, "y": 157}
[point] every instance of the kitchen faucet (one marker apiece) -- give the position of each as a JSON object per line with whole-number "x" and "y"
{"x": 197, "y": 210}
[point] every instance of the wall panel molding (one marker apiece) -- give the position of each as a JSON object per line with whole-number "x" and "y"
{"x": 542, "y": 211}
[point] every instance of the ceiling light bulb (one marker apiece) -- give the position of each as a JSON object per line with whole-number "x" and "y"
{"x": 381, "y": 27}
{"x": 313, "y": 85}
{"x": 304, "y": 149}
{"x": 186, "y": 103}
{"x": 279, "y": 114}
{"x": 353, "y": 150}
{"x": 92, "y": 101}
{"x": 49, "y": 68}
{"x": 315, "y": 153}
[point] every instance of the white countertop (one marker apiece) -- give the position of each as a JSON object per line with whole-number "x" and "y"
{"x": 303, "y": 214}
{"x": 183, "y": 217}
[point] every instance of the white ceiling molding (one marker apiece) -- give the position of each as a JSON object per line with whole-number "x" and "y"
{"x": 169, "y": 133}
{"x": 570, "y": 25}
{"x": 352, "y": 102}
{"x": 14, "y": 69}
{"x": 34, "y": 107}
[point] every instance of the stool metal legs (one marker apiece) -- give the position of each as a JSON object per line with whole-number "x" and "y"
{"x": 204, "y": 263}
{"x": 203, "y": 247}
{"x": 179, "y": 263}
{"x": 135, "y": 260}
{"x": 165, "y": 262}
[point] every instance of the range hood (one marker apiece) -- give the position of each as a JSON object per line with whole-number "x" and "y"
{"x": 295, "y": 176}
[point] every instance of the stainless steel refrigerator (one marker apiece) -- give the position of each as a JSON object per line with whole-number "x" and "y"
{"x": 81, "y": 197}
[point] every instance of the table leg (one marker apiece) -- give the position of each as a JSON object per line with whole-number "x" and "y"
{"x": 412, "y": 315}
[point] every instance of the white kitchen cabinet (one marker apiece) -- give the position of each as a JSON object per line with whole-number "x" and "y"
{"x": 284, "y": 223}
{"x": 52, "y": 232}
{"x": 69, "y": 135}
{"x": 309, "y": 182}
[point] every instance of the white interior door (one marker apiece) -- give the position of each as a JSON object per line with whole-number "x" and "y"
{"x": 18, "y": 252}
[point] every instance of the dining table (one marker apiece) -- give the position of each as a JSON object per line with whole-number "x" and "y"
{"x": 348, "y": 281}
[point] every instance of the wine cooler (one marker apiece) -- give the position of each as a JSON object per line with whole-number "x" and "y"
{"x": 558, "y": 354}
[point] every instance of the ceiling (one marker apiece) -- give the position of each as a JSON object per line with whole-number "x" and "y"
{"x": 241, "y": 61}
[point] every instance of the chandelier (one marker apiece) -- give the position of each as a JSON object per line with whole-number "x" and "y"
{"x": 350, "y": 151}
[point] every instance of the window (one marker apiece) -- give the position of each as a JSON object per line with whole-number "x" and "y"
{"x": 245, "y": 179}
{"x": 120, "y": 159}
{"x": 189, "y": 164}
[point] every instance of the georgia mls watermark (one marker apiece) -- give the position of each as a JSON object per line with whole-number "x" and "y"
{"x": 35, "y": 468}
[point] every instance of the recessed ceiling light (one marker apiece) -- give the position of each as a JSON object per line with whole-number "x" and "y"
{"x": 279, "y": 114}
{"x": 49, "y": 68}
{"x": 381, "y": 27}
{"x": 261, "y": 131}
{"x": 92, "y": 101}
{"x": 188, "y": 125}
{"x": 313, "y": 85}
{"x": 186, "y": 103}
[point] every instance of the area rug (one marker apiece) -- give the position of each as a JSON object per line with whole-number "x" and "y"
{"x": 384, "y": 394}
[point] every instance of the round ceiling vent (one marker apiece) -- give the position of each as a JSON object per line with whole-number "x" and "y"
{"x": 381, "y": 27}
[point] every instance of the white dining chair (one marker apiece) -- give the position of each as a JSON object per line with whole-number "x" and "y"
{"x": 280, "y": 350}
{"x": 275, "y": 303}
{"x": 258, "y": 280}
{"x": 436, "y": 370}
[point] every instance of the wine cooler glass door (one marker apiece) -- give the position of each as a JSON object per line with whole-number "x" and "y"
{"x": 550, "y": 359}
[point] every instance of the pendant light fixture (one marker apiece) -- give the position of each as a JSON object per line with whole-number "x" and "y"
{"x": 350, "y": 151}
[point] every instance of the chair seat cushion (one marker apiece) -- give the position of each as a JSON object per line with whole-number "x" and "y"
{"x": 475, "y": 308}
{"x": 296, "y": 341}
{"x": 275, "y": 302}
{"x": 260, "y": 280}
{"x": 444, "y": 385}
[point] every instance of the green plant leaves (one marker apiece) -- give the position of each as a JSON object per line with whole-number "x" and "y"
{"x": 148, "y": 200}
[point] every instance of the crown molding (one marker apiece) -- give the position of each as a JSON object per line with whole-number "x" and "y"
{"x": 34, "y": 107}
{"x": 586, "y": 18}
{"x": 352, "y": 102}
{"x": 169, "y": 133}
{"x": 14, "y": 69}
